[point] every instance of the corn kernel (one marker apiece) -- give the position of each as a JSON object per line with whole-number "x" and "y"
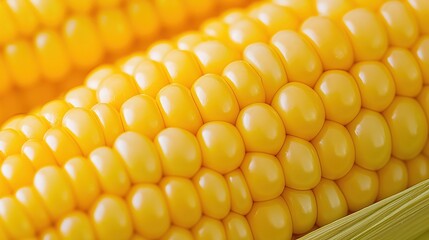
{"x": 264, "y": 176}
{"x": 179, "y": 152}
{"x": 110, "y": 122}
{"x": 392, "y": 178}
{"x": 33, "y": 127}
{"x": 116, "y": 89}
{"x": 246, "y": 31}
{"x": 178, "y": 233}
{"x": 182, "y": 200}
{"x": 372, "y": 139}
{"x": 214, "y": 99}
{"x": 33, "y": 206}
{"x": 334, "y": 9}
{"x": 150, "y": 77}
{"x": 302, "y": 207}
{"x": 9, "y": 28}
{"x": 209, "y": 228}
{"x": 61, "y": 144}
{"x": 14, "y": 219}
{"x": 408, "y": 126}
{"x": 213, "y": 192}
{"x": 330, "y": 202}
{"x": 18, "y": 171}
{"x": 241, "y": 200}
{"x": 11, "y": 142}
{"x": 82, "y": 97}
{"x": 148, "y": 210}
{"x": 50, "y": 12}
{"x": 25, "y": 16}
{"x": 421, "y": 53}
{"x": 131, "y": 146}
{"x": 301, "y": 110}
{"x": 420, "y": 9}
{"x": 54, "y": 111}
{"x": 300, "y": 163}
{"x": 335, "y": 149}
{"x": 75, "y": 225}
{"x": 140, "y": 12}
{"x": 111, "y": 218}
{"x": 418, "y": 169}
{"x": 274, "y": 17}
{"x": 214, "y": 56}
{"x": 237, "y": 227}
{"x": 182, "y": 66}
{"x": 221, "y": 145}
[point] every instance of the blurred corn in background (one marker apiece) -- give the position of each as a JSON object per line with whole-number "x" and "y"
{"x": 268, "y": 122}
{"x": 48, "y": 46}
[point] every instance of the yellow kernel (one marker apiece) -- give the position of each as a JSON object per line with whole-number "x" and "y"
{"x": 50, "y": 12}
{"x": 221, "y": 145}
{"x": 213, "y": 192}
{"x": 300, "y": 163}
{"x": 9, "y": 26}
{"x": 157, "y": 51}
{"x": 14, "y": 219}
{"x": 232, "y": 15}
{"x": 81, "y": 96}
{"x": 372, "y": 139}
{"x": 33, "y": 206}
{"x": 408, "y": 127}
{"x": 84, "y": 181}
{"x": 53, "y": 187}
{"x": 244, "y": 82}
{"x": 150, "y": 77}
{"x": 334, "y": 9}
{"x": 300, "y": 60}
{"x": 188, "y": 40}
{"x": 214, "y": 56}
{"x": 418, "y": 169}
{"x": 18, "y": 171}
{"x": 393, "y": 178}
{"x": 302, "y": 8}
{"x": 330, "y": 201}
{"x": 182, "y": 66}
{"x": 264, "y": 176}
{"x": 336, "y": 151}
{"x": 320, "y": 31}
{"x": 268, "y": 65}
{"x": 131, "y": 147}
{"x": 110, "y": 120}
{"x": 270, "y": 220}
{"x": 50, "y": 234}
{"x": 141, "y": 114}
{"x": 369, "y": 4}
{"x": 115, "y": 30}
{"x": 178, "y": 109}
{"x": 216, "y": 29}
{"x": 367, "y": 34}
{"x": 241, "y": 200}
{"x": 52, "y": 56}
{"x": 303, "y": 209}
{"x": 76, "y": 225}
{"x": 33, "y": 127}
{"x": 246, "y": 31}
{"x": 376, "y": 85}
{"x": 111, "y": 218}
{"x": 214, "y": 99}
{"x": 80, "y": 29}
{"x": 96, "y": 76}
{"x": 61, "y": 144}
{"x": 402, "y": 27}
{"x": 18, "y": 54}
{"x": 421, "y": 54}
{"x": 84, "y": 128}
{"x": 360, "y": 188}
{"x": 182, "y": 199}
{"x": 405, "y": 71}
{"x": 421, "y": 12}
{"x": 261, "y": 128}
{"x": 179, "y": 152}
{"x": 274, "y": 17}
{"x": 11, "y": 142}
{"x": 116, "y": 89}
{"x": 301, "y": 110}
{"x": 178, "y": 233}
{"x": 25, "y": 16}
{"x": 54, "y": 111}
{"x": 237, "y": 227}
{"x": 209, "y": 228}
{"x": 140, "y": 12}
{"x": 340, "y": 96}
{"x": 148, "y": 210}
{"x": 110, "y": 171}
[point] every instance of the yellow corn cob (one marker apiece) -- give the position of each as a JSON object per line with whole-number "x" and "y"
{"x": 58, "y": 41}
{"x": 265, "y": 124}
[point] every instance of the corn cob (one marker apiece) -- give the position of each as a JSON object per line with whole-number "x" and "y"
{"x": 229, "y": 132}
{"x": 58, "y": 42}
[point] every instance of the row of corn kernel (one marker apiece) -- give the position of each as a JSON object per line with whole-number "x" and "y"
{"x": 42, "y": 44}
{"x": 255, "y": 160}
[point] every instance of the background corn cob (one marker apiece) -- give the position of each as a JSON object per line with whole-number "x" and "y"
{"x": 189, "y": 139}
{"x": 58, "y": 41}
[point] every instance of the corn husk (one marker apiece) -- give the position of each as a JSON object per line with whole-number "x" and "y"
{"x": 401, "y": 216}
